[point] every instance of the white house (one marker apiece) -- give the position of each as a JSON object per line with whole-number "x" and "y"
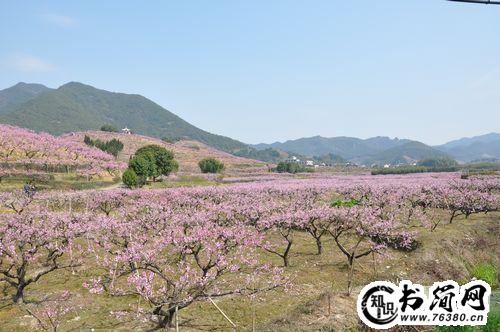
{"x": 126, "y": 131}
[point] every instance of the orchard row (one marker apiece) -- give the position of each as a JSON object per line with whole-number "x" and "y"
{"x": 24, "y": 150}
{"x": 172, "y": 248}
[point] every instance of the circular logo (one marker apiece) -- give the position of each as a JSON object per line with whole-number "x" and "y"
{"x": 377, "y": 304}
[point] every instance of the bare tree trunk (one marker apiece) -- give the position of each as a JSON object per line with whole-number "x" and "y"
{"x": 319, "y": 246}
{"x": 350, "y": 275}
{"x": 19, "y": 296}
{"x": 286, "y": 261}
{"x": 166, "y": 317}
{"x": 452, "y": 216}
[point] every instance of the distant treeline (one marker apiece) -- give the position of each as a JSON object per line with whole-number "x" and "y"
{"x": 490, "y": 166}
{"x": 411, "y": 169}
{"x": 288, "y": 167}
{"x": 438, "y": 165}
{"x": 267, "y": 155}
{"x": 109, "y": 128}
{"x": 113, "y": 146}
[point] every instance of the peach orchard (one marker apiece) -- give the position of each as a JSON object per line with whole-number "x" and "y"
{"x": 175, "y": 247}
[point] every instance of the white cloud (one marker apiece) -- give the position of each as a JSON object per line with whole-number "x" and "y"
{"x": 60, "y": 20}
{"x": 28, "y": 63}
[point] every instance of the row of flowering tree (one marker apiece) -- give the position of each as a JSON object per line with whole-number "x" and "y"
{"x": 169, "y": 256}
{"x": 172, "y": 248}
{"x": 25, "y": 150}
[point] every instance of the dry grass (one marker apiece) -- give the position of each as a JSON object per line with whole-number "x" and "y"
{"x": 188, "y": 153}
{"x": 443, "y": 254}
{"x": 61, "y": 181}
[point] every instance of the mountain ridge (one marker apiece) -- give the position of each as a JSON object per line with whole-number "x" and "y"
{"x": 76, "y": 106}
{"x": 468, "y": 149}
{"x": 383, "y": 149}
{"x": 18, "y": 94}
{"x": 489, "y": 137}
{"x": 349, "y": 148}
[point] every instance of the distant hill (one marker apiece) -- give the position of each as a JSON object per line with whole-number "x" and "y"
{"x": 466, "y": 141}
{"x": 385, "y": 150}
{"x": 346, "y": 147}
{"x": 383, "y": 142}
{"x": 406, "y": 153}
{"x": 19, "y": 94}
{"x": 473, "y": 148}
{"x": 79, "y": 107}
{"x": 378, "y": 149}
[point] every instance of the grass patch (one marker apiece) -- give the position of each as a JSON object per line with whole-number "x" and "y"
{"x": 493, "y": 324}
{"x": 59, "y": 181}
{"x": 182, "y": 181}
{"x": 299, "y": 307}
{"x": 486, "y": 272}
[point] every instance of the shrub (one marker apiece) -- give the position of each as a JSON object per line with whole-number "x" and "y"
{"x": 288, "y": 167}
{"x": 438, "y": 163}
{"x": 112, "y": 147}
{"x": 171, "y": 140}
{"x": 109, "y": 128}
{"x": 341, "y": 203}
{"x": 493, "y": 324}
{"x": 485, "y": 272}
{"x": 282, "y": 167}
{"x": 142, "y": 166}
{"x": 130, "y": 179}
{"x": 152, "y": 161}
{"x": 87, "y": 140}
{"x": 211, "y": 165}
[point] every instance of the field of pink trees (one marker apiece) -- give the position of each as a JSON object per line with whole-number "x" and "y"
{"x": 161, "y": 251}
{"x": 23, "y": 151}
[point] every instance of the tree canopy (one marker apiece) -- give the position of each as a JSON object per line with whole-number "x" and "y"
{"x": 153, "y": 161}
{"x": 211, "y": 165}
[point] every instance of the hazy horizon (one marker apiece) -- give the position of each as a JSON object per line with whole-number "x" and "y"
{"x": 288, "y": 139}
{"x": 265, "y": 72}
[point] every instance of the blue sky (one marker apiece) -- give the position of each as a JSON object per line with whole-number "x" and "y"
{"x": 262, "y": 71}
